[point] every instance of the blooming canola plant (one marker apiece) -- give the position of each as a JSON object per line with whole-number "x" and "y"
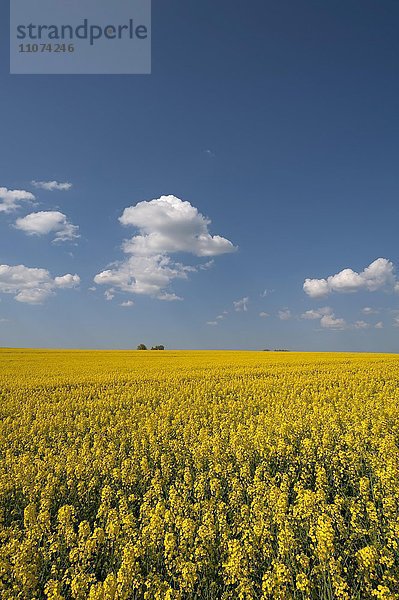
{"x": 188, "y": 475}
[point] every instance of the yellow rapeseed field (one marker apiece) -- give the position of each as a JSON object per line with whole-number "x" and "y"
{"x": 198, "y": 475}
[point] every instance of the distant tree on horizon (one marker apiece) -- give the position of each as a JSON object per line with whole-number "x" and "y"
{"x": 161, "y": 347}
{"x": 141, "y": 347}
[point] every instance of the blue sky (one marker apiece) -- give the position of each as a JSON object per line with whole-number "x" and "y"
{"x": 276, "y": 121}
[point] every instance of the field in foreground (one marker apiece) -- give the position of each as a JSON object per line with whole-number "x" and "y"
{"x": 198, "y": 475}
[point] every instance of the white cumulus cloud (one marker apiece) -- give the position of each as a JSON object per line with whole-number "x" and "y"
{"x": 284, "y": 315}
{"x": 46, "y": 222}
{"x": 127, "y": 303}
{"x": 10, "y": 200}
{"x": 51, "y": 186}
{"x": 148, "y": 275}
{"x": 367, "y": 310}
{"x": 241, "y": 305}
{"x": 264, "y": 314}
{"x": 32, "y": 285}
{"x": 67, "y": 281}
{"x": 380, "y": 274}
{"x": 316, "y": 313}
{"x": 328, "y": 320}
{"x": 169, "y": 297}
{"x": 361, "y": 325}
{"x": 332, "y": 322}
{"x": 166, "y": 226}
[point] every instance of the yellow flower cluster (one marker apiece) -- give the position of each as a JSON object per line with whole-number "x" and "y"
{"x": 198, "y": 475}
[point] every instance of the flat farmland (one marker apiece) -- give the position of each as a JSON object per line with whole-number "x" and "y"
{"x": 198, "y": 475}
